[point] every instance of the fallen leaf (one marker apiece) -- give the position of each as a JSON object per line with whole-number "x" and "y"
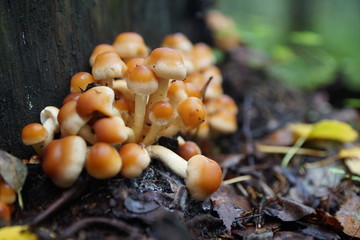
{"x": 287, "y": 210}
{"x": 348, "y": 216}
{"x": 12, "y": 170}
{"x": 352, "y": 159}
{"x": 326, "y": 129}
{"x": 20, "y": 232}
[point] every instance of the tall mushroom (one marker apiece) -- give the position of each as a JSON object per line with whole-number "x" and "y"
{"x": 143, "y": 82}
{"x": 203, "y": 175}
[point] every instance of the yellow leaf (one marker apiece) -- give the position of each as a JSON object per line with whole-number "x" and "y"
{"x": 352, "y": 159}
{"x": 17, "y": 233}
{"x": 326, "y": 129}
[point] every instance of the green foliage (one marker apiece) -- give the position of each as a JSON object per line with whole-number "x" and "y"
{"x": 329, "y": 44}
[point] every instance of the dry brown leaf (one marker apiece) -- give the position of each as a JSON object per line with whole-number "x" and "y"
{"x": 348, "y": 216}
{"x": 12, "y": 170}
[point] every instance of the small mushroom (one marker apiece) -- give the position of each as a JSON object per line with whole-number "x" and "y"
{"x": 103, "y": 161}
{"x": 35, "y": 134}
{"x": 203, "y": 176}
{"x": 130, "y": 45}
{"x": 160, "y": 115}
{"x": 107, "y": 67}
{"x": 192, "y": 112}
{"x": 64, "y": 160}
{"x": 7, "y": 194}
{"x": 135, "y": 159}
{"x": 143, "y": 82}
{"x": 202, "y": 56}
{"x": 112, "y": 130}
{"x": 80, "y": 81}
{"x": 101, "y": 48}
{"x": 188, "y": 149}
{"x": 48, "y": 118}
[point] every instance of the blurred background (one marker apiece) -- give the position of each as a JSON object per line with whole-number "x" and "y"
{"x": 309, "y": 44}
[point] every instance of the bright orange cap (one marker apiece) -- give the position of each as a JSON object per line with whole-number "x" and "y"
{"x": 80, "y": 80}
{"x": 108, "y": 65}
{"x": 142, "y": 80}
{"x": 130, "y": 45}
{"x": 188, "y": 150}
{"x": 177, "y": 41}
{"x": 110, "y": 130}
{"x": 202, "y": 56}
{"x": 161, "y": 113}
{"x": 103, "y": 161}
{"x": 64, "y": 159}
{"x": 166, "y": 63}
{"x": 135, "y": 159}
{"x": 101, "y": 48}
{"x": 33, "y": 133}
{"x": 204, "y": 177}
{"x": 192, "y": 112}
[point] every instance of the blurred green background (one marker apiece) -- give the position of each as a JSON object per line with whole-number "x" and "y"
{"x": 306, "y": 43}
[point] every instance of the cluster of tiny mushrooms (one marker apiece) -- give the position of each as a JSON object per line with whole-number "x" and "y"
{"x": 110, "y": 122}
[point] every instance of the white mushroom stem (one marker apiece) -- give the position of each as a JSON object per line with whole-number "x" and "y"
{"x": 48, "y": 118}
{"x": 139, "y": 115}
{"x": 173, "y": 161}
{"x": 160, "y": 94}
{"x": 152, "y": 134}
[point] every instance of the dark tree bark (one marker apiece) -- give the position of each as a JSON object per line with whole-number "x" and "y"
{"x": 43, "y": 43}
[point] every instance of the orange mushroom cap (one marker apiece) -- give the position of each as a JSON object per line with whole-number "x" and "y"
{"x": 161, "y": 113}
{"x": 7, "y": 194}
{"x": 178, "y": 41}
{"x": 110, "y": 130}
{"x": 33, "y": 133}
{"x": 192, "y": 112}
{"x": 5, "y": 212}
{"x": 135, "y": 159}
{"x": 64, "y": 159}
{"x": 142, "y": 80}
{"x": 188, "y": 150}
{"x": 108, "y": 65}
{"x": 204, "y": 177}
{"x": 79, "y": 81}
{"x": 202, "y": 56}
{"x": 167, "y": 63}
{"x": 130, "y": 45}
{"x": 101, "y": 48}
{"x": 71, "y": 97}
{"x": 103, "y": 161}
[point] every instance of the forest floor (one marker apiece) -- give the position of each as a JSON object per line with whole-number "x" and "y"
{"x": 274, "y": 202}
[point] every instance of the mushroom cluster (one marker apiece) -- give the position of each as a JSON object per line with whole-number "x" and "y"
{"x": 112, "y": 117}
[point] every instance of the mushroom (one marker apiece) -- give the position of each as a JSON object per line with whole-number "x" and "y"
{"x": 203, "y": 176}
{"x": 35, "y": 134}
{"x": 5, "y": 212}
{"x": 160, "y": 115}
{"x": 130, "y": 45}
{"x": 71, "y": 97}
{"x": 107, "y": 66}
{"x": 179, "y": 42}
{"x": 7, "y": 194}
{"x": 192, "y": 112}
{"x": 112, "y": 130}
{"x": 135, "y": 159}
{"x": 143, "y": 82}
{"x": 223, "y": 122}
{"x": 101, "y": 48}
{"x": 166, "y": 64}
{"x": 48, "y": 118}
{"x": 188, "y": 149}
{"x": 98, "y": 99}
{"x": 80, "y": 81}
{"x": 202, "y": 56}
{"x": 64, "y": 160}
{"x": 103, "y": 161}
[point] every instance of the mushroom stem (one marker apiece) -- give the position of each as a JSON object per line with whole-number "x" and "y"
{"x": 139, "y": 115}
{"x": 152, "y": 134}
{"x": 173, "y": 161}
{"x": 160, "y": 94}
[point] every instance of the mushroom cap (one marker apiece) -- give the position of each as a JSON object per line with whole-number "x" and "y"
{"x": 135, "y": 159}
{"x": 204, "y": 177}
{"x": 192, "y": 112}
{"x": 33, "y": 133}
{"x": 224, "y": 102}
{"x": 50, "y": 113}
{"x": 167, "y": 63}
{"x": 103, "y": 161}
{"x": 5, "y": 211}
{"x": 202, "y": 56}
{"x": 223, "y": 121}
{"x": 161, "y": 113}
{"x": 188, "y": 149}
{"x": 142, "y": 80}
{"x": 176, "y": 92}
{"x": 79, "y": 81}
{"x": 192, "y": 90}
{"x": 108, "y": 65}
{"x": 64, "y": 160}
{"x": 69, "y": 120}
{"x": 110, "y": 130}
{"x": 130, "y": 45}
{"x": 178, "y": 41}
{"x": 101, "y": 48}
{"x": 132, "y": 63}
{"x": 7, "y": 194}
{"x": 71, "y": 97}
{"x": 99, "y": 99}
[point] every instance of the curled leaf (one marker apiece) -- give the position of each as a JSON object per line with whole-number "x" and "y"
{"x": 326, "y": 129}
{"x": 12, "y": 170}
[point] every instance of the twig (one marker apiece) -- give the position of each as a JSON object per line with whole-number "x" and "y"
{"x": 284, "y": 150}
{"x": 293, "y": 150}
{"x": 65, "y": 197}
{"x": 237, "y": 179}
{"x": 111, "y": 222}
{"x": 321, "y": 163}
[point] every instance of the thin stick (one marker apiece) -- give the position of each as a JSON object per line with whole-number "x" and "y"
{"x": 321, "y": 163}
{"x": 294, "y": 149}
{"x": 285, "y": 150}
{"x": 237, "y": 179}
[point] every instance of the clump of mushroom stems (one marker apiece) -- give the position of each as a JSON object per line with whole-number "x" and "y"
{"x": 126, "y": 82}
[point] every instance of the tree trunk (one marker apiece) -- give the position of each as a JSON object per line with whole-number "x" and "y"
{"x": 43, "y": 43}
